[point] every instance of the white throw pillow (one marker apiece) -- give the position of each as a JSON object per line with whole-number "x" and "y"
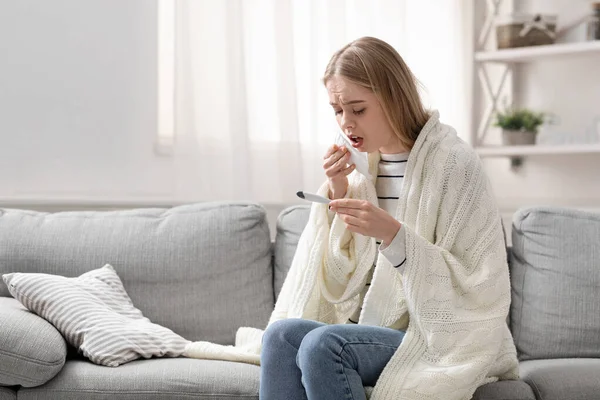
{"x": 95, "y": 314}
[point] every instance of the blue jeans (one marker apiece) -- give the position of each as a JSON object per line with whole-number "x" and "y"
{"x": 304, "y": 359}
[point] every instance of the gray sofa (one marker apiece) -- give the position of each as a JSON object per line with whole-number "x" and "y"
{"x": 205, "y": 269}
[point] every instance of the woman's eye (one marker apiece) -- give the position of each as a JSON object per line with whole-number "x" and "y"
{"x": 358, "y": 112}
{"x": 337, "y": 112}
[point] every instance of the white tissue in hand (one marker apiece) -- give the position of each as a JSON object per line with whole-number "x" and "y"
{"x": 359, "y": 159}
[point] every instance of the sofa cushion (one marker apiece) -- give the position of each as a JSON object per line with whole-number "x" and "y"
{"x": 555, "y": 265}
{"x": 560, "y": 379}
{"x": 504, "y": 390}
{"x": 32, "y": 351}
{"x": 95, "y": 315}
{"x": 201, "y": 270}
{"x": 167, "y": 378}
{"x": 7, "y": 394}
{"x": 290, "y": 224}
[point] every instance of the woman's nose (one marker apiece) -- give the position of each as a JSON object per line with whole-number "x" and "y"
{"x": 346, "y": 123}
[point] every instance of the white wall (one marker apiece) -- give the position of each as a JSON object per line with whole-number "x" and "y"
{"x": 78, "y": 105}
{"x": 78, "y": 102}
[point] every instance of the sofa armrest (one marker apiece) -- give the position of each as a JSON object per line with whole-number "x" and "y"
{"x": 32, "y": 351}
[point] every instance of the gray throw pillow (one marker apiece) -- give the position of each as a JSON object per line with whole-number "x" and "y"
{"x": 95, "y": 314}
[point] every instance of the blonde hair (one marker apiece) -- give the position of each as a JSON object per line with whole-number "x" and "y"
{"x": 375, "y": 65}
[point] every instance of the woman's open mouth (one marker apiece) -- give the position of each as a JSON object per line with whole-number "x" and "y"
{"x": 357, "y": 141}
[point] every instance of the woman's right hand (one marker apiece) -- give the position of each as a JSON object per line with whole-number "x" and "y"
{"x": 337, "y": 171}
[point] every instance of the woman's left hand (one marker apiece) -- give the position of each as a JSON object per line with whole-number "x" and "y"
{"x": 363, "y": 217}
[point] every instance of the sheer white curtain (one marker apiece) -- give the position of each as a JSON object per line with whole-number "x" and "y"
{"x": 252, "y": 119}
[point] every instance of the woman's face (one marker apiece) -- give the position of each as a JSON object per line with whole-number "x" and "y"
{"x": 361, "y": 117}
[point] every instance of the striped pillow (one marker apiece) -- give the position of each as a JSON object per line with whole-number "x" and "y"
{"x": 95, "y": 314}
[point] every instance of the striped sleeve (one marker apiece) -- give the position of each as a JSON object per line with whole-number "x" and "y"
{"x": 395, "y": 252}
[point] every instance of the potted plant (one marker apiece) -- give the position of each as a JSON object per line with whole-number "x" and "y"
{"x": 519, "y": 126}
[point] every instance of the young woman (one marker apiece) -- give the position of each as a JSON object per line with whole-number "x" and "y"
{"x": 402, "y": 283}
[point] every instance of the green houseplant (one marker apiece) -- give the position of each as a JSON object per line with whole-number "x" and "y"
{"x": 519, "y": 126}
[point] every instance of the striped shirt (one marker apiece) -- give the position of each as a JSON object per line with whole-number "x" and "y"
{"x": 390, "y": 178}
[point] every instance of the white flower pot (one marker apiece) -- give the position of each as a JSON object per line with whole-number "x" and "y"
{"x": 518, "y": 138}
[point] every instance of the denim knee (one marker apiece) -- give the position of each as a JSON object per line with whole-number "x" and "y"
{"x": 283, "y": 331}
{"x": 275, "y": 332}
{"x": 318, "y": 344}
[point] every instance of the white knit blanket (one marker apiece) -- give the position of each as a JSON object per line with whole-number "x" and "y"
{"x": 452, "y": 299}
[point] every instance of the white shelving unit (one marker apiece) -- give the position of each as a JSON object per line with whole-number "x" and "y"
{"x": 515, "y": 151}
{"x": 507, "y": 60}
{"x": 534, "y": 53}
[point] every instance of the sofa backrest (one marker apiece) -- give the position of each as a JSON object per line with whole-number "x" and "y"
{"x": 201, "y": 270}
{"x": 290, "y": 224}
{"x": 555, "y": 311}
